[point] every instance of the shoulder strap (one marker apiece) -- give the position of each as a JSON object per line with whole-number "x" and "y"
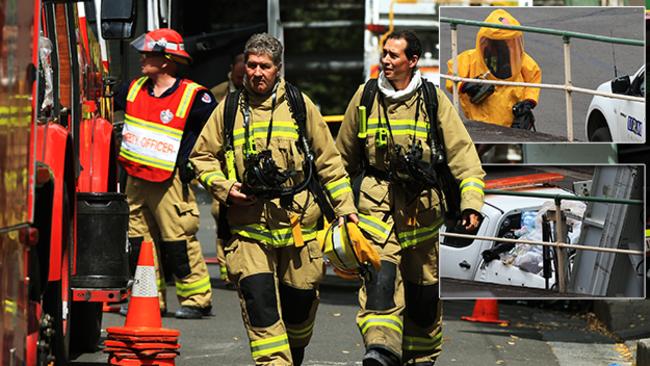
{"x": 368, "y": 95}
{"x": 367, "y": 100}
{"x": 299, "y": 114}
{"x": 187, "y": 99}
{"x": 229, "y": 113}
{"x": 431, "y": 104}
{"x": 447, "y": 181}
{"x": 297, "y": 107}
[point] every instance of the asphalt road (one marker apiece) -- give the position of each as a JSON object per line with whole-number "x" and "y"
{"x": 534, "y": 337}
{"x": 592, "y": 62}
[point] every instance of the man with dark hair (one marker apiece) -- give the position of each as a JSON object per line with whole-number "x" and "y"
{"x": 235, "y": 78}
{"x": 411, "y": 158}
{"x": 235, "y": 82}
{"x": 413, "y": 45}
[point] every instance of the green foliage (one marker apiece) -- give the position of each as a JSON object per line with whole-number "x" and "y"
{"x": 310, "y": 50}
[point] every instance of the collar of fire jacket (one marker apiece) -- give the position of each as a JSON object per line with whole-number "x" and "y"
{"x": 265, "y": 102}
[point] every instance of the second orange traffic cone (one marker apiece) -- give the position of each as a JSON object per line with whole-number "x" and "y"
{"x": 485, "y": 311}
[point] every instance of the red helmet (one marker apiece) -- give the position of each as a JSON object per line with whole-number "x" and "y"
{"x": 163, "y": 40}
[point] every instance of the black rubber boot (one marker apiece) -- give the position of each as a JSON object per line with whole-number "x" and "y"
{"x": 192, "y": 312}
{"x": 379, "y": 357}
{"x": 298, "y": 354}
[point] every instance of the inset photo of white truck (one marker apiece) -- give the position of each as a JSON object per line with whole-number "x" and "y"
{"x": 551, "y": 232}
{"x": 618, "y": 120}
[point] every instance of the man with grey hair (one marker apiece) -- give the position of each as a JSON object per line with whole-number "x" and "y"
{"x": 252, "y": 157}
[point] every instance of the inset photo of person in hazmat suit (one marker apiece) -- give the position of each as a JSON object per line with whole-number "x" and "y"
{"x": 499, "y": 55}
{"x": 545, "y": 74}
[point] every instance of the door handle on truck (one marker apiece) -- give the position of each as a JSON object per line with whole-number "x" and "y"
{"x": 464, "y": 264}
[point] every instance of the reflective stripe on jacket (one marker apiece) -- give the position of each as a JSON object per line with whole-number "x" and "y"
{"x": 413, "y": 216}
{"x": 268, "y": 221}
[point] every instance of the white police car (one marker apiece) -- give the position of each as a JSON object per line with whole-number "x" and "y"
{"x": 618, "y": 120}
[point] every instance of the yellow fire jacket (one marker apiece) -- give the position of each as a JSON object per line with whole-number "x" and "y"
{"x": 266, "y": 221}
{"x": 415, "y": 215}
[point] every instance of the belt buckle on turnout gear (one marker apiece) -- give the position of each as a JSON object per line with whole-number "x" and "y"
{"x": 296, "y": 230}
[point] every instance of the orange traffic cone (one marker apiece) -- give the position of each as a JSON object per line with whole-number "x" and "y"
{"x": 142, "y": 340}
{"x": 144, "y": 308}
{"x": 117, "y": 361}
{"x": 486, "y": 311}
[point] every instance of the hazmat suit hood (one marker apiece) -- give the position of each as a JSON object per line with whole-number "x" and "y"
{"x": 501, "y": 50}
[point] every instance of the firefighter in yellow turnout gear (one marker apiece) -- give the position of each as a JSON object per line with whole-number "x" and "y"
{"x": 499, "y": 55}
{"x": 273, "y": 257}
{"x": 400, "y": 315}
{"x": 235, "y": 81}
{"x": 163, "y": 116}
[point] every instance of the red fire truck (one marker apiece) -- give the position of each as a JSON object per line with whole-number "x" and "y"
{"x": 58, "y": 261}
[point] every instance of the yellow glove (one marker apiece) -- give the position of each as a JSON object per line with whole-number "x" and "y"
{"x": 364, "y": 249}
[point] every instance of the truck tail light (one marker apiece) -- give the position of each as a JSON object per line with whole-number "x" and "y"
{"x": 523, "y": 181}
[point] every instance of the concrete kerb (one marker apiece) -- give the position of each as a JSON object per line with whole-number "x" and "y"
{"x": 643, "y": 352}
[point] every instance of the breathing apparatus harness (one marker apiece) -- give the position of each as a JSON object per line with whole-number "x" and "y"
{"x": 261, "y": 176}
{"x": 406, "y": 164}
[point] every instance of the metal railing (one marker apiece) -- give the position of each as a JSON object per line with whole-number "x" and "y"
{"x": 565, "y": 197}
{"x": 556, "y": 244}
{"x": 561, "y": 276}
{"x": 337, "y": 118}
{"x": 567, "y": 86}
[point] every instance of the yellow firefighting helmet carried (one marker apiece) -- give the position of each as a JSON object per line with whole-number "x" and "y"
{"x": 347, "y": 250}
{"x": 164, "y": 41}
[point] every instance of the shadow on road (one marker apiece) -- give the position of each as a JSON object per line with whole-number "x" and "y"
{"x": 338, "y": 295}
{"x": 563, "y": 321}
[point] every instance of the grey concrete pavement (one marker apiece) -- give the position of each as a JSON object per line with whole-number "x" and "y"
{"x": 534, "y": 337}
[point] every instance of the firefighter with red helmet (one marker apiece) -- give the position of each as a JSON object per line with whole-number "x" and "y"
{"x": 164, "y": 114}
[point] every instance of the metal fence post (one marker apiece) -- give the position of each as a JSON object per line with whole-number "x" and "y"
{"x": 561, "y": 253}
{"x": 454, "y": 62}
{"x": 567, "y": 92}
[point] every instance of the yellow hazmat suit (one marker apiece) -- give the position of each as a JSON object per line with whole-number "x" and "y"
{"x": 499, "y": 55}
